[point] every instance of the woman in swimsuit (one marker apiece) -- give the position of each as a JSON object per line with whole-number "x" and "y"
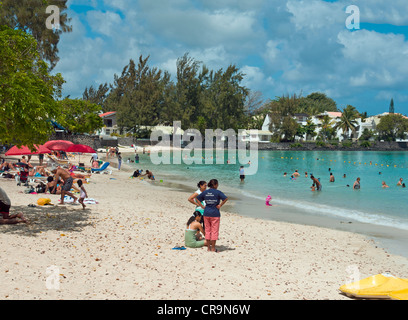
{"x": 356, "y": 185}
{"x": 192, "y": 236}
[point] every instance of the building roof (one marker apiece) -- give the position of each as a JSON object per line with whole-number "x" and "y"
{"x": 334, "y": 114}
{"x": 103, "y": 115}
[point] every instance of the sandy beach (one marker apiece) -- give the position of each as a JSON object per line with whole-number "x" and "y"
{"x": 121, "y": 248}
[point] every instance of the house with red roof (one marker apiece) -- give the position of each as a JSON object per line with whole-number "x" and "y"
{"x": 110, "y": 124}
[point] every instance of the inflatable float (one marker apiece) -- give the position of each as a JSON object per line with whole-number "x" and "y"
{"x": 380, "y": 286}
{"x": 399, "y": 295}
{"x": 268, "y": 200}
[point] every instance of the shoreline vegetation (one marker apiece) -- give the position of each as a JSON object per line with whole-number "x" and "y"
{"x": 121, "y": 248}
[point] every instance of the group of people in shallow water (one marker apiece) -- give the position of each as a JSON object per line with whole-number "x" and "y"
{"x": 202, "y": 228}
{"x": 317, "y": 186}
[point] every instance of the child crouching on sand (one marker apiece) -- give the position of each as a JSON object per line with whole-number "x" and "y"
{"x": 82, "y": 194}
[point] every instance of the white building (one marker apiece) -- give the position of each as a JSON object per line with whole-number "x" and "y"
{"x": 302, "y": 119}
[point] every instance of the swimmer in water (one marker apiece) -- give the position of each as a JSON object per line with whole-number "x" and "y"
{"x": 356, "y": 185}
{"x": 384, "y": 185}
{"x": 316, "y": 183}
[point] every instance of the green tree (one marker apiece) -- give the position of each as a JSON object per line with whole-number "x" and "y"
{"x": 327, "y": 127}
{"x": 27, "y": 90}
{"x": 348, "y": 121}
{"x": 97, "y": 96}
{"x": 283, "y": 126}
{"x": 392, "y": 127}
{"x": 30, "y": 16}
{"x": 80, "y": 116}
{"x": 392, "y": 106}
{"x": 309, "y": 129}
{"x": 137, "y": 95}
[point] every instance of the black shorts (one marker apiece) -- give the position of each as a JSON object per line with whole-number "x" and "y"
{"x": 68, "y": 184}
{"x": 242, "y": 176}
{"x": 4, "y": 209}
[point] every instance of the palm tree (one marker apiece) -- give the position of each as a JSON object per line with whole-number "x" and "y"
{"x": 348, "y": 121}
{"x": 327, "y": 125}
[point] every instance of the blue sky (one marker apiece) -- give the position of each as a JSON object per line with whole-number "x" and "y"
{"x": 283, "y": 46}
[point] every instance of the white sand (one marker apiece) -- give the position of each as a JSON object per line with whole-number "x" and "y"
{"x": 121, "y": 248}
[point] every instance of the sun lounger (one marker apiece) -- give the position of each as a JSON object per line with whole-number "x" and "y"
{"x": 55, "y": 161}
{"x": 103, "y": 168}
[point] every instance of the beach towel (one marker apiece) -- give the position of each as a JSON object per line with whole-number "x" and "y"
{"x": 68, "y": 199}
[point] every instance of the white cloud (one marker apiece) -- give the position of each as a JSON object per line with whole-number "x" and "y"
{"x": 284, "y": 46}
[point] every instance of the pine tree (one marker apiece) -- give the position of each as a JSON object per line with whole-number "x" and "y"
{"x": 392, "y": 106}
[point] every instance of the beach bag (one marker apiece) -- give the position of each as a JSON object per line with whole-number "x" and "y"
{"x": 30, "y": 189}
{"x": 44, "y": 201}
{"x": 40, "y": 188}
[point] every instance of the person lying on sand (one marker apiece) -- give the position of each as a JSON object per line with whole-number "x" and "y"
{"x": 5, "y": 205}
{"x": 6, "y": 166}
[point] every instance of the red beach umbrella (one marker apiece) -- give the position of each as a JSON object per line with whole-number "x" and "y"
{"x": 24, "y": 150}
{"x": 58, "y": 145}
{"x": 80, "y": 148}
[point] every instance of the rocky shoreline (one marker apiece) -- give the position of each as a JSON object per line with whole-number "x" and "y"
{"x": 313, "y": 146}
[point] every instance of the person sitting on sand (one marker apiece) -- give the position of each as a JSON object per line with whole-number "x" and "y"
{"x": 149, "y": 175}
{"x": 192, "y": 235}
{"x": 68, "y": 181}
{"x": 6, "y": 166}
{"x": 316, "y": 183}
{"x": 24, "y": 160}
{"x": 5, "y": 205}
{"x": 384, "y": 185}
{"x": 50, "y": 186}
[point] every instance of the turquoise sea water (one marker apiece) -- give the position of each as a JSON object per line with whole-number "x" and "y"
{"x": 371, "y": 204}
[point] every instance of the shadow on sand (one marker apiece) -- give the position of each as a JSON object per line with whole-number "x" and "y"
{"x": 51, "y": 217}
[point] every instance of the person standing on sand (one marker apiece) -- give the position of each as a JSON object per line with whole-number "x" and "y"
{"x": 119, "y": 160}
{"x": 212, "y": 198}
{"x": 5, "y": 217}
{"x": 68, "y": 181}
{"x": 202, "y": 186}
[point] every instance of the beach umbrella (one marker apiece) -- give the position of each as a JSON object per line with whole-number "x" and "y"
{"x": 58, "y": 145}
{"x": 24, "y": 150}
{"x": 80, "y": 148}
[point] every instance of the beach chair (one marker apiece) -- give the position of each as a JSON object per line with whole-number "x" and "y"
{"x": 104, "y": 168}
{"x": 22, "y": 177}
{"x": 57, "y": 162}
